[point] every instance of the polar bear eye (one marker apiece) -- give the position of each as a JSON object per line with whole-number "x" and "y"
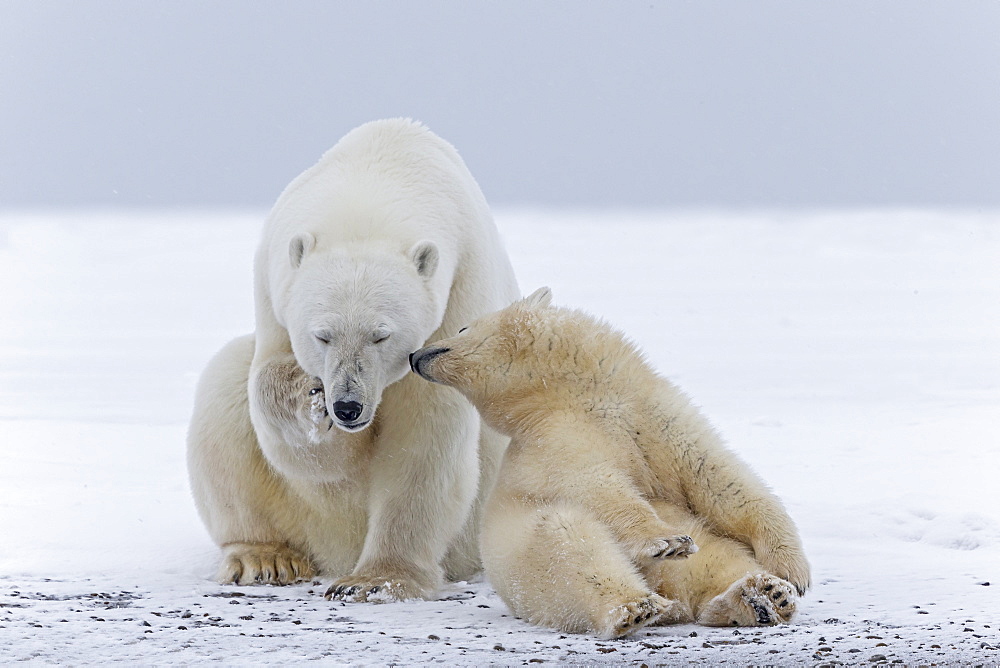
{"x": 462, "y": 330}
{"x": 381, "y": 334}
{"x": 322, "y": 337}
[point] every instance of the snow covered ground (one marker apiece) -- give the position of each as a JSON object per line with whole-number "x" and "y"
{"x": 853, "y": 358}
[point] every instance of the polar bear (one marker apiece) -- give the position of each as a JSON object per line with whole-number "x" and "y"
{"x": 312, "y": 450}
{"x": 617, "y": 505}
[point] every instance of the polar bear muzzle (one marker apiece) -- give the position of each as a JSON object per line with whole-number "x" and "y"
{"x": 347, "y": 411}
{"x": 420, "y": 360}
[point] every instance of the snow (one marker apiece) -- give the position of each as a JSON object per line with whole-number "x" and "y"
{"x": 852, "y": 357}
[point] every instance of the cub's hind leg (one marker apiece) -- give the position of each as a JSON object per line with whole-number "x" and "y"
{"x": 756, "y": 599}
{"x": 723, "y": 584}
{"x": 557, "y": 566}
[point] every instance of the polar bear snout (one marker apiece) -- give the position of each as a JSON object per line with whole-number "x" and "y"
{"x": 350, "y": 415}
{"x": 347, "y": 411}
{"x": 420, "y": 361}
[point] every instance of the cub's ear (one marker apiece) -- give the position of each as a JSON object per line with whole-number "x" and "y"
{"x": 299, "y": 246}
{"x": 540, "y": 298}
{"x": 425, "y": 256}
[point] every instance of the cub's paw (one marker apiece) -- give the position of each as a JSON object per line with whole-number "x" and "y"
{"x": 263, "y": 563}
{"x": 788, "y": 563}
{"x": 633, "y": 615}
{"x": 672, "y": 547}
{"x": 757, "y": 599}
{"x": 362, "y": 588}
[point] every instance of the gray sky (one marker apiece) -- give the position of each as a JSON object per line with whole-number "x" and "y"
{"x": 578, "y": 103}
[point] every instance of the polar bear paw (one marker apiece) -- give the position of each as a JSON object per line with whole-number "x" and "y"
{"x": 757, "y": 599}
{"x": 316, "y": 413}
{"x": 263, "y": 563}
{"x": 785, "y": 561}
{"x": 671, "y": 547}
{"x": 632, "y": 616}
{"x": 294, "y": 401}
{"x": 361, "y": 588}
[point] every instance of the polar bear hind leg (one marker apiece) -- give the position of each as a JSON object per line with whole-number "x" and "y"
{"x": 263, "y": 563}
{"x": 558, "y": 566}
{"x": 756, "y": 599}
{"x": 722, "y": 584}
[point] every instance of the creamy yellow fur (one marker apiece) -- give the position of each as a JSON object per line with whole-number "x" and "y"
{"x": 610, "y": 474}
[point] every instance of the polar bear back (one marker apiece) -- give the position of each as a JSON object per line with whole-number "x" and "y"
{"x": 390, "y": 184}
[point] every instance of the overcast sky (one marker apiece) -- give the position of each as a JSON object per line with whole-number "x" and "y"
{"x": 576, "y": 103}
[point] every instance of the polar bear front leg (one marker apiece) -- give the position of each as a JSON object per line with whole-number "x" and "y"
{"x": 643, "y": 535}
{"x": 558, "y": 565}
{"x": 424, "y": 478}
{"x": 608, "y": 491}
{"x": 288, "y": 404}
{"x": 243, "y": 503}
{"x": 781, "y": 553}
{"x": 736, "y": 501}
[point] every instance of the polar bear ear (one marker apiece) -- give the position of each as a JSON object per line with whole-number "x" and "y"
{"x": 540, "y": 298}
{"x": 299, "y": 246}
{"x": 425, "y": 256}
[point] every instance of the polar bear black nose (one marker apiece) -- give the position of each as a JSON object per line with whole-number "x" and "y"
{"x": 347, "y": 411}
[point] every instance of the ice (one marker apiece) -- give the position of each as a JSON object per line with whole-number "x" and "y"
{"x": 851, "y": 357}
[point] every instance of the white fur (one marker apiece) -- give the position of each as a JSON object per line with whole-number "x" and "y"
{"x": 384, "y": 244}
{"x": 617, "y": 504}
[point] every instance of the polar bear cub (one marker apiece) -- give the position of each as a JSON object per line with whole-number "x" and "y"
{"x": 617, "y": 505}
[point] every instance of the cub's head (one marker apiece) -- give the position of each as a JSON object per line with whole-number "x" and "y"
{"x": 494, "y": 361}
{"x": 354, "y": 315}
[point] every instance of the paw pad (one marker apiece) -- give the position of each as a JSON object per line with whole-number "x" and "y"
{"x": 634, "y": 615}
{"x": 674, "y": 547}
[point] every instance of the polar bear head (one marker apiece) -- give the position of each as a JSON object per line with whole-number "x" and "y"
{"x": 354, "y": 314}
{"x": 500, "y": 360}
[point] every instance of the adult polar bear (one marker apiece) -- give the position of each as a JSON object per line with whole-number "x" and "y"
{"x": 384, "y": 244}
